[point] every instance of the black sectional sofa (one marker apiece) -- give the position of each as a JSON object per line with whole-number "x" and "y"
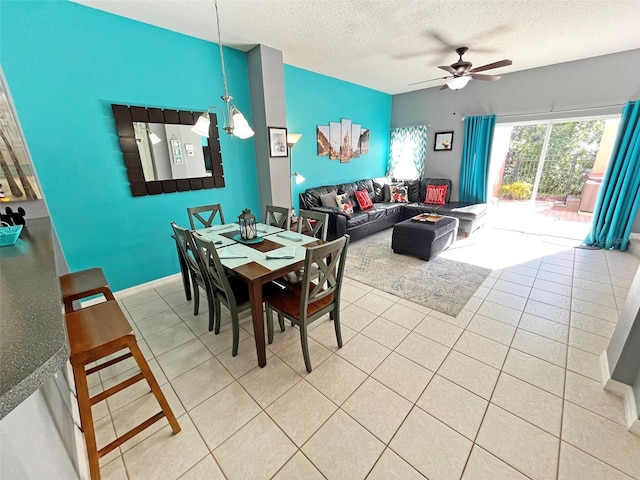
{"x": 385, "y": 213}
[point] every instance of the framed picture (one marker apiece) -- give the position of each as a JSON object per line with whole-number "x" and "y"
{"x": 443, "y": 141}
{"x": 278, "y": 142}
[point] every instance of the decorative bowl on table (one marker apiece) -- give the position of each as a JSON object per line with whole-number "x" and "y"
{"x": 238, "y": 238}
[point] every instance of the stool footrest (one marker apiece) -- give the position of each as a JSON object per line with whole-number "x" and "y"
{"x": 116, "y": 388}
{"x": 97, "y": 368}
{"x": 130, "y": 434}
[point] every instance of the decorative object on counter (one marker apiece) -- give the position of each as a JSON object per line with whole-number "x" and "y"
{"x": 9, "y": 234}
{"x": 235, "y": 124}
{"x": 344, "y": 140}
{"x": 13, "y": 218}
{"x": 292, "y": 139}
{"x": 247, "y": 223}
{"x": 443, "y": 141}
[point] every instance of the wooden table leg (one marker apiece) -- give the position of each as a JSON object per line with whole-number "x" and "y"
{"x": 255, "y": 297}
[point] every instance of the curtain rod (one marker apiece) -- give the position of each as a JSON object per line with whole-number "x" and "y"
{"x": 551, "y": 112}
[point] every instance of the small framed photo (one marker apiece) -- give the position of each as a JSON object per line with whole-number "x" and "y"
{"x": 278, "y": 142}
{"x": 443, "y": 141}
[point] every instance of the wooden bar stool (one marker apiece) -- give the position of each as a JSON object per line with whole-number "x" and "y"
{"x": 95, "y": 332}
{"x": 82, "y": 284}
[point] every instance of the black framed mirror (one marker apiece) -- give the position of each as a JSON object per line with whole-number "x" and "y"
{"x": 144, "y": 176}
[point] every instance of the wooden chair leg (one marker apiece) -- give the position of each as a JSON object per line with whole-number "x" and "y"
{"x": 305, "y": 346}
{"x": 153, "y": 384}
{"x": 86, "y": 420}
{"x": 218, "y": 316}
{"x": 235, "y": 325}
{"x": 336, "y": 325}
{"x": 196, "y": 297}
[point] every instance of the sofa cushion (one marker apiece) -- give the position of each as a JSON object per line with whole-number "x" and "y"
{"x": 390, "y": 208}
{"x": 422, "y": 189}
{"x": 436, "y": 194}
{"x": 344, "y": 203}
{"x": 364, "y": 200}
{"x": 398, "y": 194}
{"x": 329, "y": 199}
{"x": 358, "y": 218}
{"x": 378, "y": 189}
{"x": 311, "y": 196}
{"x": 374, "y": 213}
{"x": 413, "y": 187}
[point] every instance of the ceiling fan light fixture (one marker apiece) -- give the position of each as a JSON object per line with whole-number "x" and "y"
{"x": 458, "y": 83}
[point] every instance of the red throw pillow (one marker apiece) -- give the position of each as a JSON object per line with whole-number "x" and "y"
{"x": 364, "y": 200}
{"x": 436, "y": 194}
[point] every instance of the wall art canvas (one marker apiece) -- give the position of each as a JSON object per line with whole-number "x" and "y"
{"x": 322, "y": 136}
{"x": 364, "y": 141}
{"x": 355, "y": 138}
{"x": 335, "y": 133}
{"x": 346, "y": 146}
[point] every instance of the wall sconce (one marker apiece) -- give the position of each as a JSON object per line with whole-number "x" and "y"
{"x": 235, "y": 124}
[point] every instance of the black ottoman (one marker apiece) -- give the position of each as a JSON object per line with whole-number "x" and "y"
{"x": 422, "y": 239}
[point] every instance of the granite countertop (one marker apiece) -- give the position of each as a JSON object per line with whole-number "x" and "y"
{"x": 33, "y": 341}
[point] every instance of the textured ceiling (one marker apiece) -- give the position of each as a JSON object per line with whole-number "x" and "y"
{"x": 388, "y": 44}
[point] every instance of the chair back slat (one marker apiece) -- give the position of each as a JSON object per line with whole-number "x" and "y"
{"x": 205, "y": 214}
{"x": 186, "y": 248}
{"x": 326, "y": 279}
{"x": 213, "y": 268}
{"x": 277, "y": 217}
{"x": 314, "y": 224}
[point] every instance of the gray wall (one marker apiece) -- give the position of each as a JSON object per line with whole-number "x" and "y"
{"x": 266, "y": 81}
{"x": 583, "y": 84}
{"x": 636, "y": 392}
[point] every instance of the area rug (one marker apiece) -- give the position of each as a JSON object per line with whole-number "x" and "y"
{"x": 441, "y": 284}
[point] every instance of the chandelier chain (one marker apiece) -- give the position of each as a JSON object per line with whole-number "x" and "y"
{"x": 224, "y": 72}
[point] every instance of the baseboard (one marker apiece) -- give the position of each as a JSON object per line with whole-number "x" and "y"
{"x": 622, "y": 390}
{"x": 127, "y": 292}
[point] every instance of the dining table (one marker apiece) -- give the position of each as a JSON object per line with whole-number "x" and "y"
{"x": 274, "y": 253}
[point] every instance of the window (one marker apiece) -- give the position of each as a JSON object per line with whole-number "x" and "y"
{"x": 407, "y": 152}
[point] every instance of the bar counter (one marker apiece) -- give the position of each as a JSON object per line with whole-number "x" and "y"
{"x": 33, "y": 342}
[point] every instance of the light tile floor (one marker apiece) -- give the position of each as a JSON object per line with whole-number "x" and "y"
{"x": 508, "y": 389}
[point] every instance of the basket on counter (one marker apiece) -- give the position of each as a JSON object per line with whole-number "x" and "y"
{"x": 9, "y": 234}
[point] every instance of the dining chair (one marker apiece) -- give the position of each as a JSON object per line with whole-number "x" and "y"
{"x": 314, "y": 224}
{"x": 210, "y": 210}
{"x": 277, "y": 217}
{"x": 314, "y": 297}
{"x": 228, "y": 290}
{"x": 187, "y": 250}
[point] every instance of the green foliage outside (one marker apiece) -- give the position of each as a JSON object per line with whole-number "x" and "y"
{"x": 573, "y": 147}
{"x": 519, "y": 190}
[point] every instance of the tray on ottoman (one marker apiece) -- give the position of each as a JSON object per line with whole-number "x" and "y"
{"x": 422, "y": 239}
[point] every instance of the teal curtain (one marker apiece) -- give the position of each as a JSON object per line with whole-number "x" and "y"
{"x": 407, "y": 152}
{"x": 476, "y": 152}
{"x": 619, "y": 195}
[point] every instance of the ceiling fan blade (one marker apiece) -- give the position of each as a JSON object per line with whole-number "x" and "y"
{"x": 489, "y": 66}
{"x": 430, "y": 80}
{"x": 444, "y": 87}
{"x": 447, "y": 68}
{"x": 479, "y": 76}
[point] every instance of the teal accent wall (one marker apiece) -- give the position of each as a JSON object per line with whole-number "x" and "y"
{"x": 313, "y": 99}
{"x": 65, "y": 65}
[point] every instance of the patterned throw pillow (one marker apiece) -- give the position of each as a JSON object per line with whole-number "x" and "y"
{"x": 398, "y": 194}
{"x": 344, "y": 203}
{"x": 364, "y": 200}
{"x": 436, "y": 194}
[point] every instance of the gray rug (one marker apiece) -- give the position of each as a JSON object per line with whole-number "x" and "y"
{"x": 441, "y": 284}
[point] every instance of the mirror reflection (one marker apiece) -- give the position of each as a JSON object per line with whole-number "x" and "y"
{"x": 170, "y": 152}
